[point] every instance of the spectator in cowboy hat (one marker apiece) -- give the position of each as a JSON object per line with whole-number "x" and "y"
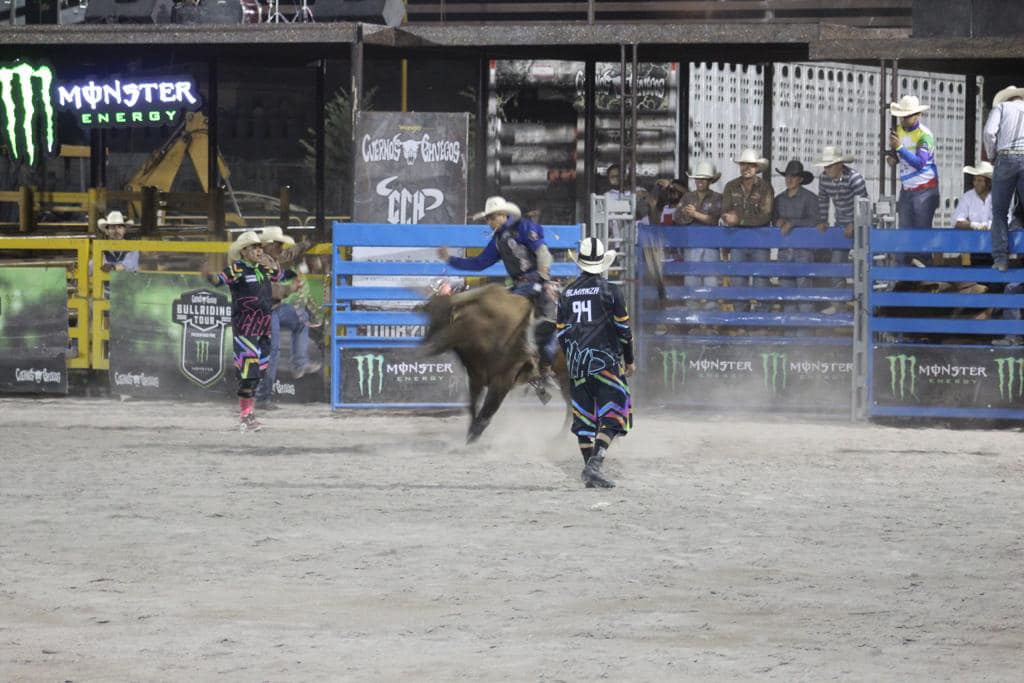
{"x": 913, "y": 152}
{"x": 839, "y": 184}
{"x": 974, "y": 210}
{"x": 701, "y": 206}
{"x": 796, "y": 206}
{"x": 113, "y": 227}
{"x": 1004, "y": 144}
{"x": 747, "y": 203}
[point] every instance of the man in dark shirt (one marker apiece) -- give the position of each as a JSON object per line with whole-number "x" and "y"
{"x": 702, "y": 206}
{"x": 747, "y": 203}
{"x": 795, "y": 207}
{"x": 593, "y": 330}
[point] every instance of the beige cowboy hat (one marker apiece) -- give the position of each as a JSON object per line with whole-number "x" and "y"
{"x": 498, "y": 205}
{"x": 705, "y": 170}
{"x": 749, "y": 156}
{"x": 276, "y": 234}
{"x": 113, "y": 218}
{"x": 592, "y": 257}
{"x": 983, "y": 169}
{"x": 831, "y": 155}
{"x": 907, "y": 106}
{"x": 246, "y": 239}
{"x": 1007, "y": 93}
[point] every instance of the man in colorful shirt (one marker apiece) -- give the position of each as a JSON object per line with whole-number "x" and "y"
{"x": 913, "y": 152}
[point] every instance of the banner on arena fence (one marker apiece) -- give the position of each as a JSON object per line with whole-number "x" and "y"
{"x": 170, "y": 337}
{"x": 400, "y": 374}
{"x": 33, "y": 330}
{"x": 815, "y": 378}
{"x": 948, "y": 376}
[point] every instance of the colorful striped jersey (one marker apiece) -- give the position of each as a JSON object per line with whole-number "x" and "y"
{"x": 917, "y": 158}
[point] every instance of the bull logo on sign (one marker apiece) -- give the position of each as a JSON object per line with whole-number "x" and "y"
{"x": 203, "y": 316}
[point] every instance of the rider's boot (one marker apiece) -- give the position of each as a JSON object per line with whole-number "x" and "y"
{"x": 541, "y": 382}
{"x": 591, "y": 474}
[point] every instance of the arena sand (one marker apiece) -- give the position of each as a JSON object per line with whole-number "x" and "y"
{"x": 152, "y": 542}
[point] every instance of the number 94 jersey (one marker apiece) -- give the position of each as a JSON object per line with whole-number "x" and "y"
{"x": 593, "y": 327}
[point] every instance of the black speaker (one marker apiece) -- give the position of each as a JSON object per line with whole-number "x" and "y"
{"x": 387, "y": 12}
{"x": 210, "y": 12}
{"x": 129, "y": 12}
{"x": 1000, "y": 18}
{"x": 41, "y": 12}
{"x": 941, "y": 18}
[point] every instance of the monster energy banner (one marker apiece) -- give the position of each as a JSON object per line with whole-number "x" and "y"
{"x": 170, "y": 337}
{"x": 27, "y": 116}
{"x": 762, "y": 377}
{"x": 400, "y": 375}
{"x": 948, "y": 376}
{"x": 33, "y": 330}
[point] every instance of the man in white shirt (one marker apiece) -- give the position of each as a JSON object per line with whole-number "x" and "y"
{"x": 974, "y": 211}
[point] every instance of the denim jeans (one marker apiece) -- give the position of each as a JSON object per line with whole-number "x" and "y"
{"x": 1007, "y": 178}
{"x": 916, "y": 210}
{"x": 796, "y": 256}
{"x": 287, "y": 317}
{"x": 746, "y": 254}
{"x": 701, "y": 255}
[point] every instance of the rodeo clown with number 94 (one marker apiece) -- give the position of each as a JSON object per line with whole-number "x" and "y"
{"x": 250, "y": 281}
{"x": 593, "y": 330}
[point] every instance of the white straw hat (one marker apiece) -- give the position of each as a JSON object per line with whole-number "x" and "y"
{"x": 983, "y": 169}
{"x": 498, "y": 205}
{"x": 907, "y": 106}
{"x": 831, "y": 155}
{"x": 113, "y": 218}
{"x": 276, "y": 234}
{"x": 749, "y": 156}
{"x": 246, "y": 239}
{"x": 1007, "y": 93}
{"x": 705, "y": 170}
{"x": 592, "y": 257}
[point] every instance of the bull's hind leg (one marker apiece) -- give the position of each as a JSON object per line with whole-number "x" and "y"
{"x": 476, "y": 387}
{"x": 492, "y": 401}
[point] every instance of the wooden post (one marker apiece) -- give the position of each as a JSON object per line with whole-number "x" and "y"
{"x": 26, "y": 210}
{"x": 215, "y": 214}
{"x": 94, "y": 209}
{"x": 148, "y": 217}
{"x": 286, "y": 205}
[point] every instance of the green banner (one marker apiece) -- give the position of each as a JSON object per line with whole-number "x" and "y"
{"x": 170, "y": 337}
{"x": 33, "y": 330}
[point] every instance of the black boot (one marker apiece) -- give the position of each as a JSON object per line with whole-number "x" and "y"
{"x": 591, "y": 474}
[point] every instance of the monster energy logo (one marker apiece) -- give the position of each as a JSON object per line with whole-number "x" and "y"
{"x": 673, "y": 368}
{"x": 774, "y": 365}
{"x": 370, "y": 367}
{"x": 901, "y": 369}
{"x": 202, "y": 350}
{"x": 1011, "y": 377}
{"x": 21, "y": 86}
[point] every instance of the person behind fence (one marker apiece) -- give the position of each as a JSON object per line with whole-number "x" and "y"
{"x": 519, "y": 244}
{"x": 668, "y": 193}
{"x": 1004, "y": 143}
{"x": 747, "y": 202}
{"x": 594, "y": 333}
{"x": 280, "y": 252}
{"x": 795, "y": 207}
{"x": 701, "y": 206}
{"x": 974, "y": 210}
{"x": 913, "y": 152}
{"x": 113, "y": 227}
{"x": 839, "y": 185}
{"x": 251, "y": 299}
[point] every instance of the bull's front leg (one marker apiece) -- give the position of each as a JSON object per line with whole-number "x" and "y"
{"x": 496, "y": 393}
{"x": 476, "y": 386}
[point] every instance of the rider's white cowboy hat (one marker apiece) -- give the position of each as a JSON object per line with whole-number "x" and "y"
{"x": 498, "y": 205}
{"x": 983, "y": 169}
{"x": 276, "y": 234}
{"x": 246, "y": 239}
{"x": 907, "y": 106}
{"x": 831, "y": 155}
{"x": 705, "y": 170}
{"x": 1007, "y": 93}
{"x": 592, "y": 257}
{"x": 749, "y": 156}
{"x": 113, "y": 218}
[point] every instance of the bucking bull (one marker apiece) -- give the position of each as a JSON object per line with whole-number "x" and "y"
{"x": 491, "y": 332}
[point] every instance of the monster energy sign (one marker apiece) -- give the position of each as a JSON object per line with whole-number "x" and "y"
{"x": 400, "y": 376}
{"x": 26, "y": 99}
{"x": 762, "y": 377}
{"x": 948, "y": 376}
{"x": 118, "y": 102}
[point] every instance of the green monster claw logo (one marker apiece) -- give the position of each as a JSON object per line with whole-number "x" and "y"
{"x": 774, "y": 365}
{"x": 202, "y": 350}
{"x": 20, "y": 86}
{"x": 1011, "y": 378}
{"x": 901, "y": 368}
{"x": 673, "y": 367}
{"x": 370, "y": 366}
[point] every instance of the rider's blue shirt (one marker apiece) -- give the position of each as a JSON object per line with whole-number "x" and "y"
{"x": 516, "y": 244}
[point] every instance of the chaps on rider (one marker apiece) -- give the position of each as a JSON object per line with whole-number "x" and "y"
{"x": 519, "y": 243}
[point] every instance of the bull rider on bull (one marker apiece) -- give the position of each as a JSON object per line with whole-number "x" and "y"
{"x": 519, "y": 243}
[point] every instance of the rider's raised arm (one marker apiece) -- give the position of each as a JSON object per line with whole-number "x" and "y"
{"x": 485, "y": 259}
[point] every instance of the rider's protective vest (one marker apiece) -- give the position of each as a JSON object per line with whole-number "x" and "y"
{"x": 518, "y": 258}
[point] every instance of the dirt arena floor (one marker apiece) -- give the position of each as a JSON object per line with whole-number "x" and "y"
{"x": 145, "y": 541}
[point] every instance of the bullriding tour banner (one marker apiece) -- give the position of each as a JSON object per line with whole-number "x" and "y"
{"x": 33, "y": 330}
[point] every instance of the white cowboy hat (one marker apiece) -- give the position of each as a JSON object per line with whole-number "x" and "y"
{"x": 907, "y": 106}
{"x": 831, "y": 155}
{"x": 592, "y": 257}
{"x": 498, "y": 205}
{"x": 276, "y": 234}
{"x": 246, "y": 239}
{"x": 113, "y": 218}
{"x": 705, "y": 170}
{"x": 749, "y": 156}
{"x": 1007, "y": 93}
{"x": 983, "y": 169}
